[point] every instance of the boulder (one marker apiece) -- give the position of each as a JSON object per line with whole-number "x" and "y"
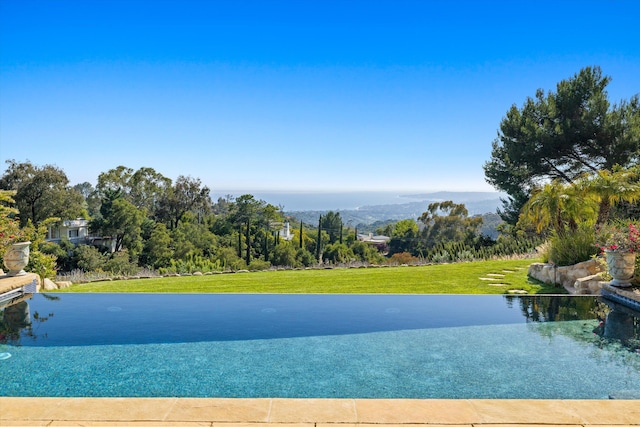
{"x": 48, "y": 285}
{"x": 63, "y": 284}
{"x": 589, "y": 285}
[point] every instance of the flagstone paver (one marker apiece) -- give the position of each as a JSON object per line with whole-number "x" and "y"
{"x": 170, "y": 412}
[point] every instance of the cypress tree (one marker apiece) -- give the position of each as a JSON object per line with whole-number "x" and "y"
{"x": 248, "y": 257}
{"x": 319, "y": 242}
{"x": 265, "y": 246}
{"x": 300, "y": 234}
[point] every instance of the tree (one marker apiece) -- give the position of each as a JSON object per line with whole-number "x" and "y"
{"x": 610, "y": 188}
{"x": 244, "y": 214}
{"x": 157, "y": 249}
{"x": 284, "y": 254}
{"x": 447, "y": 222}
{"x": 115, "y": 179}
{"x": 403, "y": 236}
{"x": 332, "y": 224}
{"x": 188, "y": 194}
{"x": 91, "y": 198}
{"x": 561, "y": 135}
{"x": 144, "y": 188}
{"x": 147, "y": 189}
{"x": 121, "y": 220}
{"x": 319, "y": 240}
{"x": 10, "y": 231}
{"x": 41, "y": 192}
{"x": 338, "y": 253}
{"x": 269, "y": 218}
{"x": 558, "y": 206}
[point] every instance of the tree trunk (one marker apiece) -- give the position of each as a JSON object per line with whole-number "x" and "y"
{"x": 603, "y": 212}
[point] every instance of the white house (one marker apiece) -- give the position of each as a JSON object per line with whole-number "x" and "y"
{"x": 285, "y": 233}
{"x": 77, "y": 232}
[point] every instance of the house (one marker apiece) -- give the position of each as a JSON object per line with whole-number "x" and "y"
{"x": 380, "y": 242}
{"x": 370, "y": 238}
{"x": 77, "y": 232}
{"x": 285, "y": 233}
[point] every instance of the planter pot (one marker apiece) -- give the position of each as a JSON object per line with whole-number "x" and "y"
{"x": 621, "y": 266}
{"x": 16, "y": 258}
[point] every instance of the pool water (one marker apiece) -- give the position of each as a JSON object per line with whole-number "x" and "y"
{"x": 303, "y": 346}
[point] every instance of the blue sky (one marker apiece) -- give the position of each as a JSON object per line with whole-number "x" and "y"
{"x": 292, "y": 95}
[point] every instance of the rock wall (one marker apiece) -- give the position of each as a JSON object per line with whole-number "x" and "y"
{"x": 580, "y": 278}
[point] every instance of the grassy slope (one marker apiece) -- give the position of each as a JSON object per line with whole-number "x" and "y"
{"x": 461, "y": 278}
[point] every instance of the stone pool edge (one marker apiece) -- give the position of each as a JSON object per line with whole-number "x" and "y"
{"x": 51, "y": 411}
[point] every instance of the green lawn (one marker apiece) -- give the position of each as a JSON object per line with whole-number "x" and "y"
{"x": 462, "y": 278}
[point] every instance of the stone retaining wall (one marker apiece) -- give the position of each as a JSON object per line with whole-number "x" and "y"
{"x": 582, "y": 278}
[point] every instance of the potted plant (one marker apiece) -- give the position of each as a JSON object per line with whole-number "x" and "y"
{"x": 620, "y": 245}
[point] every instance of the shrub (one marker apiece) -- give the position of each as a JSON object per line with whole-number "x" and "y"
{"x": 465, "y": 255}
{"x": 229, "y": 259}
{"x": 88, "y": 258}
{"x": 191, "y": 264}
{"x": 367, "y": 253}
{"x": 338, "y": 253}
{"x": 284, "y": 254}
{"x": 305, "y": 257}
{"x": 573, "y": 247}
{"x": 120, "y": 264}
{"x": 403, "y": 258}
{"x": 258, "y": 264}
{"x": 441, "y": 257}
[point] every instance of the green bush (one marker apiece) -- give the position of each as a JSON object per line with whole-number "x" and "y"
{"x": 284, "y": 254}
{"x": 573, "y": 247}
{"x": 305, "y": 257}
{"x": 441, "y": 257}
{"x": 121, "y": 264}
{"x": 191, "y": 264}
{"x": 338, "y": 253}
{"x": 88, "y": 258}
{"x": 229, "y": 260}
{"x": 258, "y": 265}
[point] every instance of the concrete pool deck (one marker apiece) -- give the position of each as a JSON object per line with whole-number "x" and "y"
{"x": 143, "y": 412}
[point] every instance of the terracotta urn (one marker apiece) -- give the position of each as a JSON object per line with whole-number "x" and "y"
{"x": 621, "y": 266}
{"x": 16, "y": 258}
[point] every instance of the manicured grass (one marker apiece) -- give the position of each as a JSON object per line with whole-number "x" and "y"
{"x": 462, "y": 278}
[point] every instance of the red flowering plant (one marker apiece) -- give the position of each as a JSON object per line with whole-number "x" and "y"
{"x": 619, "y": 238}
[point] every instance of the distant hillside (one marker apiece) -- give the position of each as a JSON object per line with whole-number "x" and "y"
{"x": 477, "y": 203}
{"x": 457, "y": 196}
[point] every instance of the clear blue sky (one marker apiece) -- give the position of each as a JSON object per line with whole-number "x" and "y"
{"x": 292, "y": 95}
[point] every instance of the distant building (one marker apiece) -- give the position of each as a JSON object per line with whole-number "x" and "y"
{"x": 285, "y": 233}
{"x": 380, "y": 242}
{"x": 370, "y": 238}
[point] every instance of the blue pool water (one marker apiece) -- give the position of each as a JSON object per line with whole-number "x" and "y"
{"x": 358, "y": 346}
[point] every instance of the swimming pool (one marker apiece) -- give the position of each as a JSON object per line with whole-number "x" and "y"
{"x": 358, "y": 346}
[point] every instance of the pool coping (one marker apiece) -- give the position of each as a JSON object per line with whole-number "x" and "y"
{"x": 52, "y": 411}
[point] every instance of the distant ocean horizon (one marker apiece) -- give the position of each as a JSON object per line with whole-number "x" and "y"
{"x": 320, "y": 201}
